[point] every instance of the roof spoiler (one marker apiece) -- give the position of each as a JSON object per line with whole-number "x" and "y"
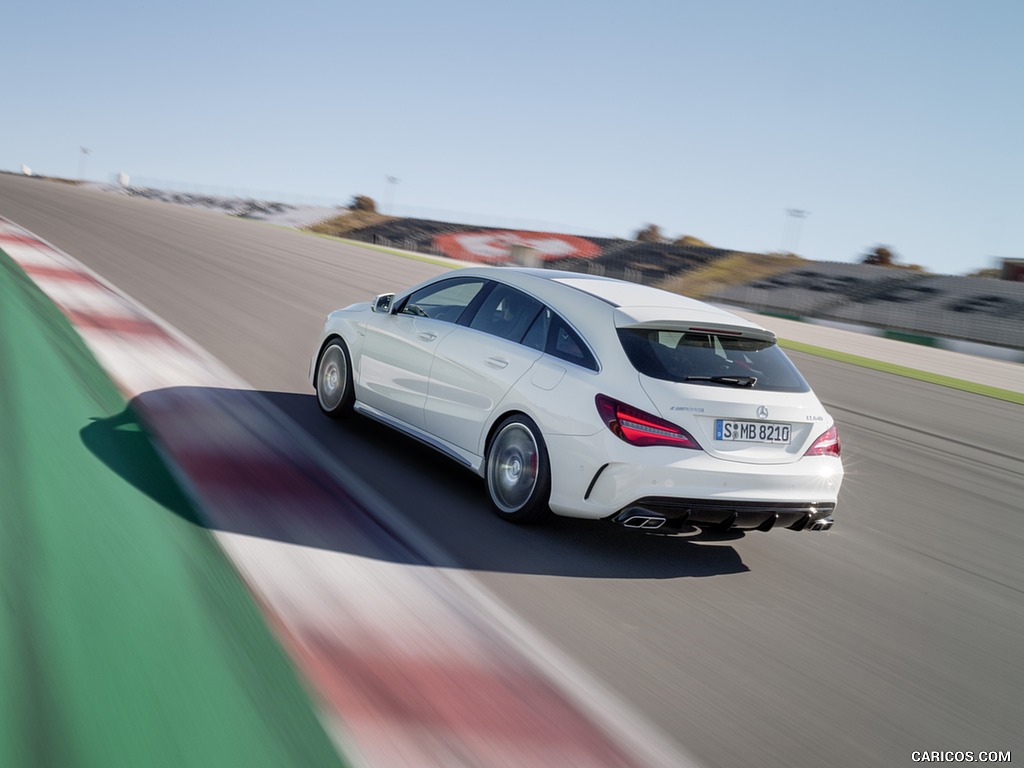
{"x": 717, "y": 329}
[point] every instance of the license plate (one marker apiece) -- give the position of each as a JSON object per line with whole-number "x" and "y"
{"x": 752, "y": 432}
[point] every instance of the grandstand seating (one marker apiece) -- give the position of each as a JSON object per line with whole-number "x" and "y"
{"x": 974, "y": 309}
{"x": 814, "y": 287}
{"x": 408, "y": 234}
{"x": 626, "y": 259}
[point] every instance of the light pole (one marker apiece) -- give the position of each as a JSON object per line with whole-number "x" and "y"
{"x": 791, "y": 232}
{"x": 81, "y": 165}
{"x": 389, "y": 192}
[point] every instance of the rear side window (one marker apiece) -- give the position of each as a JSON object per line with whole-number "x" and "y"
{"x": 553, "y": 335}
{"x": 711, "y": 359}
{"x": 506, "y": 312}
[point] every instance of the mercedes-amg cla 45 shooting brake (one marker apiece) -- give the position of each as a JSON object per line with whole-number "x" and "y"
{"x": 591, "y": 398}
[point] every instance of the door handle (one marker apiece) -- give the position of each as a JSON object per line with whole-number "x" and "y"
{"x": 428, "y": 335}
{"x": 497, "y": 362}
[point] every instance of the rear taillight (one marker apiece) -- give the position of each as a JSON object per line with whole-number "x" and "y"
{"x": 826, "y": 445}
{"x": 638, "y": 427}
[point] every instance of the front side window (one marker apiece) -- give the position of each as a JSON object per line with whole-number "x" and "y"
{"x": 711, "y": 359}
{"x": 446, "y": 300}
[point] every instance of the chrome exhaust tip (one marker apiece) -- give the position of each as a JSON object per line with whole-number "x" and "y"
{"x": 640, "y": 518}
{"x": 821, "y": 524}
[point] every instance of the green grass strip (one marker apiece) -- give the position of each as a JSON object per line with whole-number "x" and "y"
{"x": 126, "y": 636}
{"x": 909, "y": 373}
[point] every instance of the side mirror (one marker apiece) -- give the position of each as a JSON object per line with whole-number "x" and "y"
{"x": 382, "y": 303}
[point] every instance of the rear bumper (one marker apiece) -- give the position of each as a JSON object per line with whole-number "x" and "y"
{"x": 656, "y": 511}
{"x": 599, "y": 477}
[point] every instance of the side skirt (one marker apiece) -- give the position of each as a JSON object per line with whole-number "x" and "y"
{"x": 466, "y": 459}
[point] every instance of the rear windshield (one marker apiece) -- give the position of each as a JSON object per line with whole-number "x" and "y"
{"x": 711, "y": 360}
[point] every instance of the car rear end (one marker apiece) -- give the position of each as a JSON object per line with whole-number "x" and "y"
{"x": 717, "y": 429}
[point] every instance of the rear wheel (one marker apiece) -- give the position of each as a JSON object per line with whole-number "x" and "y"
{"x": 334, "y": 393}
{"x": 518, "y": 473}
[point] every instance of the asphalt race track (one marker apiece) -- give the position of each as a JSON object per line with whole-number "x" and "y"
{"x": 899, "y": 631}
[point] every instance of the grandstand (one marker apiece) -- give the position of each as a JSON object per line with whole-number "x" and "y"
{"x": 974, "y": 309}
{"x": 814, "y": 288}
{"x": 625, "y": 259}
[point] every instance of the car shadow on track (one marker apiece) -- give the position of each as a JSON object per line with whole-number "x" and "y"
{"x": 435, "y": 499}
{"x": 123, "y": 445}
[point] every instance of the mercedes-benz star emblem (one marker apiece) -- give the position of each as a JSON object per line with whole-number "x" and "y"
{"x": 762, "y": 412}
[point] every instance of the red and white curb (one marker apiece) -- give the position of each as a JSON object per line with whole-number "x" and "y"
{"x": 411, "y": 665}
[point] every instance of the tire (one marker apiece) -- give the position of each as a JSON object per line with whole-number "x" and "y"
{"x": 518, "y": 473}
{"x": 334, "y": 392}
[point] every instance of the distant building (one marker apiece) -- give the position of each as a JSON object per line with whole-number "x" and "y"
{"x": 1013, "y": 269}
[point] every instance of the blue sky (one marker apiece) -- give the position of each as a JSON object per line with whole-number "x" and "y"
{"x": 896, "y": 122}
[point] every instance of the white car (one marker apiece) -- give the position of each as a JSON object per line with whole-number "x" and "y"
{"x": 591, "y": 398}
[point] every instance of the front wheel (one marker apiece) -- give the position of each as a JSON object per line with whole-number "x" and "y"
{"x": 518, "y": 473}
{"x": 334, "y": 393}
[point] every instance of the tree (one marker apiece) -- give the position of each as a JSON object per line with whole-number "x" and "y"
{"x": 691, "y": 241}
{"x": 880, "y": 256}
{"x": 362, "y": 203}
{"x": 650, "y": 234}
